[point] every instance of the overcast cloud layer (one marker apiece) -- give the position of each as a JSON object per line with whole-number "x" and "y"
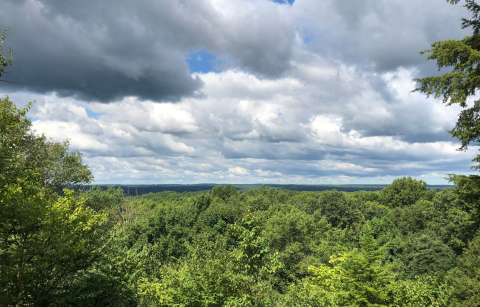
{"x": 238, "y": 91}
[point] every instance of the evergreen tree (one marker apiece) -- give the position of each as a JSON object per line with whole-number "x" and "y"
{"x": 456, "y": 86}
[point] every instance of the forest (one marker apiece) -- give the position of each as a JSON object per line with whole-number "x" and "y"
{"x": 405, "y": 245}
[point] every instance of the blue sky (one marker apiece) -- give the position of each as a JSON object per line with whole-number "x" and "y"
{"x": 284, "y": 1}
{"x": 201, "y": 62}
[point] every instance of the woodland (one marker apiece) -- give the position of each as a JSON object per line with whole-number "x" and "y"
{"x": 404, "y": 245}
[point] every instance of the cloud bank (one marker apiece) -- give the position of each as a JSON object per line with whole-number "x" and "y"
{"x": 298, "y": 92}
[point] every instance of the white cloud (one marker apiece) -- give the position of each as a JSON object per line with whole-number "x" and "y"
{"x": 238, "y": 170}
{"x": 286, "y": 133}
{"x": 436, "y": 175}
{"x": 263, "y": 173}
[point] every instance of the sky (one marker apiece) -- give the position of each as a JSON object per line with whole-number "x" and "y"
{"x": 238, "y": 91}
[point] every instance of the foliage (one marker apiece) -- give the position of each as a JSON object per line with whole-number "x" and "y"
{"x": 45, "y": 238}
{"x": 61, "y": 168}
{"x": 413, "y": 218}
{"x": 215, "y": 274}
{"x": 456, "y": 86}
{"x": 453, "y": 221}
{"x": 420, "y": 292}
{"x": 403, "y": 192}
{"x": 356, "y": 278}
{"x": 465, "y": 278}
{"x": 426, "y": 255}
{"x": 38, "y": 258}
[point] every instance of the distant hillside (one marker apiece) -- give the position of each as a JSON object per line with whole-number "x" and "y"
{"x": 180, "y": 188}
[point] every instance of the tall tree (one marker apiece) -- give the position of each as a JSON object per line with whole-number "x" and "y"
{"x": 456, "y": 86}
{"x": 45, "y": 239}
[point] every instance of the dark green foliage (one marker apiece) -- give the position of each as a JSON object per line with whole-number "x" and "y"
{"x": 465, "y": 278}
{"x": 403, "y": 192}
{"x": 452, "y": 221}
{"x": 61, "y": 168}
{"x": 100, "y": 200}
{"x": 340, "y": 210}
{"x": 383, "y": 230}
{"x": 224, "y": 192}
{"x": 427, "y": 255}
{"x": 374, "y": 209}
{"x": 462, "y": 81}
{"x": 168, "y": 229}
{"x": 287, "y": 225}
{"x": 219, "y": 214}
{"x": 111, "y": 280}
{"x": 142, "y": 189}
{"x": 413, "y": 218}
{"x": 209, "y": 249}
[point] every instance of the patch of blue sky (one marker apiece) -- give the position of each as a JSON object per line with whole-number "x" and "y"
{"x": 290, "y": 2}
{"x": 307, "y": 36}
{"x": 201, "y": 62}
{"x": 92, "y": 114}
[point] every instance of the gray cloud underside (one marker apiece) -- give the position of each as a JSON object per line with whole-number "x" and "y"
{"x": 106, "y": 50}
{"x": 384, "y": 34}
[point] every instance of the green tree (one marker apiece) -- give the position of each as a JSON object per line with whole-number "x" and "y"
{"x": 340, "y": 210}
{"x": 36, "y": 265}
{"x": 357, "y": 278}
{"x": 45, "y": 239}
{"x": 61, "y": 168}
{"x": 465, "y": 278}
{"x": 224, "y": 192}
{"x": 420, "y": 292}
{"x": 413, "y": 218}
{"x": 425, "y": 254}
{"x": 403, "y": 192}
{"x": 215, "y": 274}
{"x": 384, "y": 230}
{"x": 456, "y": 86}
{"x": 453, "y": 220}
